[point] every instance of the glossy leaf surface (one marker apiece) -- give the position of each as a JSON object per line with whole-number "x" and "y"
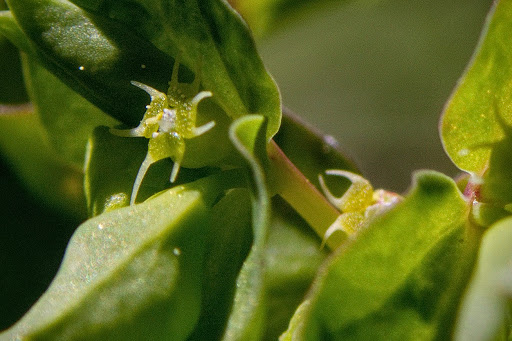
{"x": 130, "y": 273}
{"x": 95, "y": 56}
{"x": 425, "y": 243}
{"x": 213, "y": 41}
{"x": 98, "y": 56}
{"x": 471, "y": 120}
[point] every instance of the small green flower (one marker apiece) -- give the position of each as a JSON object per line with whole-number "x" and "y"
{"x": 169, "y": 120}
{"x": 359, "y": 205}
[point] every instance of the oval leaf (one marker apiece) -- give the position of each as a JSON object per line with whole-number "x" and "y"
{"x": 470, "y": 122}
{"x": 399, "y": 279}
{"x": 96, "y": 56}
{"x": 127, "y": 274}
{"x": 213, "y": 41}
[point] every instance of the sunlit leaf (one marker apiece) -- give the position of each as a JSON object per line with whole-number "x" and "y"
{"x": 212, "y": 40}
{"x": 402, "y": 277}
{"x": 470, "y": 123}
{"x": 497, "y": 180}
{"x": 98, "y": 56}
{"x": 95, "y": 56}
{"x": 132, "y": 273}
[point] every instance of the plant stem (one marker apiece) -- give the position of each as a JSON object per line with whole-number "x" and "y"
{"x": 301, "y": 194}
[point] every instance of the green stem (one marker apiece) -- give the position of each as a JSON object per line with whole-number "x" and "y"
{"x": 301, "y": 194}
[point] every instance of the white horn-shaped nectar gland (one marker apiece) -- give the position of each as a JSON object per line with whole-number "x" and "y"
{"x": 140, "y": 176}
{"x": 356, "y": 198}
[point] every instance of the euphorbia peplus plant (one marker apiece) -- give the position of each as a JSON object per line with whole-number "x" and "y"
{"x": 202, "y": 197}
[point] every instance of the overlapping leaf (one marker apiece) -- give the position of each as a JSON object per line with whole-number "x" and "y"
{"x": 213, "y": 42}
{"x": 246, "y": 321}
{"x": 67, "y": 117}
{"x": 229, "y": 242}
{"x": 401, "y": 278}
{"x": 130, "y": 273}
{"x": 292, "y": 259}
{"x": 98, "y": 50}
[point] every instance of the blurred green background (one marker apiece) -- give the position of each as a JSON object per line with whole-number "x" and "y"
{"x": 375, "y": 75}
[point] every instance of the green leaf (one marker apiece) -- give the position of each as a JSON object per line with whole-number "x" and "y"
{"x": 213, "y": 41}
{"x": 485, "y": 308}
{"x": 111, "y": 167}
{"x": 98, "y": 56}
{"x": 229, "y": 242}
{"x": 67, "y": 117}
{"x": 246, "y": 321}
{"x": 471, "y": 120}
{"x": 293, "y": 256}
{"x": 402, "y": 277}
{"x": 497, "y": 180}
{"x": 132, "y": 273}
{"x": 95, "y": 56}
